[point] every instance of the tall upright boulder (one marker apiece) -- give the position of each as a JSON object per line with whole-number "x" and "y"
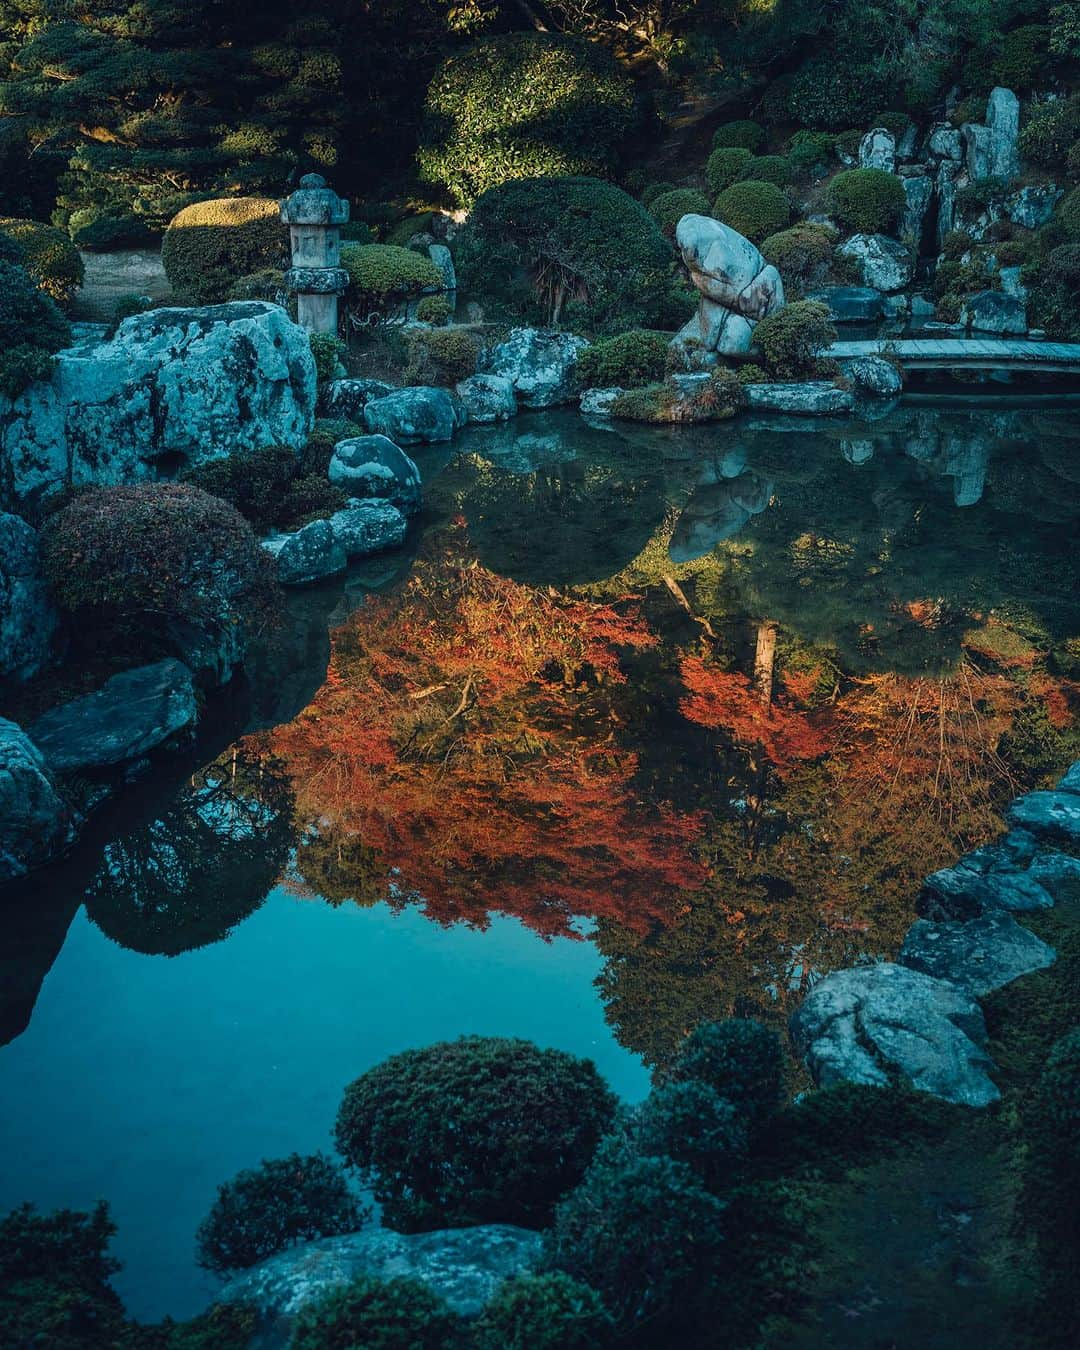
{"x": 1003, "y": 123}
{"x": 738, "y": 287}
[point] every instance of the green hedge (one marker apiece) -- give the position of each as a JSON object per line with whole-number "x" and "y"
{"x": 754, "y": 209}
{"x": 210, "y": 245}
{"x": 670, "y": 207}
{"x": 869, "y": 201}
{"x": 382, "y": 276}
{"x": 725, "y": 166}
{"x": 49, "y": 256}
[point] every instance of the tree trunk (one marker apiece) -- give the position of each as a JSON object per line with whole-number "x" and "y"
{"x": 764, "y": 656}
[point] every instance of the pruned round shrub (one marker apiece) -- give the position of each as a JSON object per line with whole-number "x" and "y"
{"x": 523, "y": 105}
{"x": 724, "y": 167}
{"x": 739, "y": 1058}
{"x": 767, "y": 169}
{"x": 434, "y": 309}
{"x": 628, "y": 359}
{"x": 273, "y": 487}
{"x": 396, "y": 1314}
{"x": 869, "y": 201}
{"x": 691, "y": 1122}
{"x": 810, "y": 153}
{"x": 754, "y": 209}
{"x": 574, "y": 249}
{"x": 384, "y": 276}
{"x": 267, "y": 1208}
{"x": 440, "y": 356}
{"x": 670, "y": 207}
{"x": 208, "y": 245}
{"x": 478, "y": 1130}
{"x": 742, "y": 133}
{"x": 49, "y": 256}
{"x": 31, "y": 329}
{"x": 830, "y": 93}
{"x": 802, "y": 254}
{"x": 653, "y": 190}
{"x": 543, "y": 1312}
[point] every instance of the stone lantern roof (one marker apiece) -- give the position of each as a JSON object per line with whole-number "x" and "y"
{"x": 314, "y": 203}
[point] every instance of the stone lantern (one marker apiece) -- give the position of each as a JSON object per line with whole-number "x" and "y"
{"x": 315, "y": 214}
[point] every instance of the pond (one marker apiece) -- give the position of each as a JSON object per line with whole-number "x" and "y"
{"x": 646, "y": 727}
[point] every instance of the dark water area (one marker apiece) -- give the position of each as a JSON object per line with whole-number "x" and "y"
{"x": 645, "y": 727}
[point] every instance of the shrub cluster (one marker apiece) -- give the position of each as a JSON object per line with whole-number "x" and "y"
{"x": 869, "y": 201}
{"x": 629, "y": 359}
{"x": 209, "y": 245}
{"x": 440, "y": 355}
{"x": 670, "y": 207}
{"x": 792, "y": 339}
{"x": 830, "y": 93}
{"x": 802, "y": 254}
{"x": 274, "y": 488}
{"x": 754, "y": 209}
{"x": 384, "y": 276}
{"x": 327, "y": 349}
{"x": 1051, "y": 131}
{"x": 743, "y": 134}
{"x": 31, "y": 329}
{"x": 48, "y": 255}
{"x": 725, "y": 166}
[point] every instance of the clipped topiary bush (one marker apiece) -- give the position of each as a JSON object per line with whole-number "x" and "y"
{"x": 397, "y": 1314}
{"x": 654, "y": 190}
{"x": 1022, "y": 59}
{"x": 384, "y": 276}
{"x": 739, "y": 1058}
{"x": 767, "y": 169}
{"x": 628, "y": 359}
{"x": 267, "y": 1208}
{"x": 724, "y": 167}
{"x": 272, "y": 488}
{"x": 829, "y": 93}
{"x": 810, "y": 153}
{"x": 440, "y": 356}
{"x": 48, "y": 255}
{"x": 670, "y": 207}
{"x": 869, "y": 201}
{"x": 754, "y": 209}
{"x": 543, "y": 1312}
{"x": 266, "y": 284}
{"x": 478, "y": 1130}
{"x": 802, "y": 254}
{"x": 955, "y": 244}
{"x": 210, "y": 245}
{"x": 31, "y": 329}
{"x": 745, "y": 134}
{"x": 692, "y": 1123}
{"x": 523, "y": 105}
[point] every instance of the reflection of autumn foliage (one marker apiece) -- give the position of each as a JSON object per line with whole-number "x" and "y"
{"x": 467, "y": 736}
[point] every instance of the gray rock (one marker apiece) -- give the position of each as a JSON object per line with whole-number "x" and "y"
{"x": 1051, "y": 816}
{"x": 1012, "y": 282}
{"x": 946, "y": 191}
{"x": 173, "y": 387}
{"x": 488, "y": 398}
{"x": 1032, "y": 206}
{"x": 922, "y": 308}
{"x": 737, "y": 286}
{"x": 875, "y": 376}
{"x": 965, "y": 891}
{"x": 945, "y": 142}
{"x": 897, "y": 306}
{"x": 980, "y": 955}
{"x": 883, "y": 263}
{"x": 539, "y": 364}
{"x": 597, "y": 402}
{"x": 977, "y": 150}
{"x": 1070, "y": 780}
{"x": 873, "y": 1024}
{"x": 35, "y": 822}
{"x": 27, "y": 615}
{"x": 307, "y": 555}
{"x": 877, "y": 150}
{"x": 133, "y": 713}
{"x": 1003, "y": 124}
{"x": 857, "y": 452}
{"x": 995, "y": 312}
{"x": 348, "y": 398}
{"x": 851, "y": 304}
{"x": 419, "y": 415}
{"x": 367, "y": 527}
{"x": 462, "y": 1265}
{"x": 443, "y": 259}
{"x": 212, "y": 649}
{"x": 373, "y": 466}
{"x": 918, "y": 190}
{"x": 811, "y": 398}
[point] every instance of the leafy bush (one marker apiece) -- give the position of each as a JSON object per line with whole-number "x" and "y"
{"x": 479, "y": 1130}
{"x": 435, "y": 309}
{"x": 654, "y": 190}
{"x": 1068, "y": 214}
{"x": 869, "y": 201}
{"x": 754, "y": 209}
{"x": 327, "y": 349}
{"x": 31, "y": 329}
{"x": 955, "y": 244}
{"x": 543, "y": 1312}
{"x": 669, "y": 208}
{"x": 397, "y": 1314}
{"x": 714, "y": 400}
{"x": 810, "y": 153}
{"x": 724, "y": 167}
{"x": 49, "y": 256}
{"x": 383, "y": 276}
{"x": 692, "y": 1123}
{"x": 801, "y": 254}
{"x": 743, "y": 134}
{"x": 272, "y": 487}
{"x": 582, "y": 251}
{"x": 524, "y": 105}
{"x": 267, "y": 1208}
{"x": 767, "y": 169}
{"x": 830, "y": 93}
{"x": 629, "y": 359}
{"x": 440, "y": 355}
{"x": 209, "y": 245}
{"x": 1051, "y": 131}
{"x": 739, "y": 1058}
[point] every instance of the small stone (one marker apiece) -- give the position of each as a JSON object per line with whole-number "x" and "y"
{"x": 946, "y": 142}
{"x": 1032, "y": 206}
{"x": 488, "y": 398}
{"x": 27, "y": 616}
{"x": 367, "y": 527}
{"x": 347, "y": 399}
{"x": 995, "y": 312}
{"x": 877, "y": 150}
{"x": 597, "y": 402}
{"x": 307, "y": 555}
{"x": 1052, "y": 816}
{"x": 1003, "y": 125}
{"x": 541, "y": 366}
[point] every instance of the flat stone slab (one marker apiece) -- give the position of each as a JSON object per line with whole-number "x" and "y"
{"x": 980, "y": 955}
{"x": 812, "y": 398}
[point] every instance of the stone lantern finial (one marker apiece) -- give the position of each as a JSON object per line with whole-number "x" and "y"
{"x": 315, "y": 214}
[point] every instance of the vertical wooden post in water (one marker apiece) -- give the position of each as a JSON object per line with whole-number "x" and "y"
{"x": 315, "y": 214}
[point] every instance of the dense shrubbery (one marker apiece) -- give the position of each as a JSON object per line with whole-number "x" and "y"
{"x": 868, "y": 201}
{"x": 1054, "y": 289}
{"x": 802, "y": 254}
{"x": 767, "y": 169}
{"x": 208, "y": 245}
{"x": 523, "y": 105}
{"x": 744, "y": 134}
{"x": 670, "y": 207}
{"x": 1067, "y": 215}
{"x": 440, "y": 355}
{"x": 829, "y": 94}
{"x": 1051, "y": 131}
{"x": 49, "y": 256}
{"x": 384, "y": 276}
{"x": 31, "y": 329}
{"x": 479, "y": 1130}
{"x": 397, "y": 1314}
{"x": 725, "y": 166}
{"x": 543, "y": 1312}
{"x": 810, "y": 153}
{"x": 693, "y": 1123}
{"x": 754, "y": 209}
{"x": 792, "y": 339}
{"x": 739, "y": 1058}
{"x": 574, "y": 249}
{"x": 272, "y": 487}
{"x": 630, "y": 359}
{"x": 267, "y": 1208}
{"x": 718, "y": 398}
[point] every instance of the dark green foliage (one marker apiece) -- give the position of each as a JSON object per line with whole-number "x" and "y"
{"x": 224, "y": 1326}
{"x": 435, "y": 309}
{"x": 1054, "y": 290}
{"x": 524, "y": 105}
{"x": 653, "y": 190}
{"x": 384, "y": 276}
{"x": 792, "y": 339}
{"x": 719, "y": 398}
{"x": 724, "y": 167}
{"x": 267, "y": 1208}
{"x": 754, "y": 209}
{"x": 268, "y": 283}
{"x": 810, "y": 153}
{"x": 48, "y": 255}
{"x": 210, "y": 245}
{"x": 744, "y": 134}
{"x": 1051, "y": 131}
{"x": 31, "y": 329}
{"x": 272, "y": 487}
{"x": 1068, "y": 214}
{"x": 102, "y": 231}
{"x": 571, "y": 249}
{"x": 1033, "y": 745}
{"x": 868, "y": 201}
{"x": 830, "y": 93}
{"x": 802, "y": 254}
{"x": 543, "y": 1312}
{"x": 440, "y": 356}
{"x": 398, "y": 1314}
{"x": 325, "y": 434}
{"x": 670, "y": 207}
{"x": 327, "y": 349}
{"x": 479, "y": 1130}
{"x": 739, "y": 1058}
{"x": 691, "y": 1122}
{"x": 955, "y": 244}
{"x": 629, "y": 359}
{"x": 767, "y": 169}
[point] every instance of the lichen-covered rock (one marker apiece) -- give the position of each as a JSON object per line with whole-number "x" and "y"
{"x": 366, "y": 527}
{"x": 597, "y": 402}
{"x": 541, "y": 366}
{"x": 27, "y": 616}
{"x": 373, "y": 466}
{"x": 884, "y": 264}
{"x": 131, "y": 714}
{"x": 918, "y": 191}
{"x": 851, "y": 304}
{"x": 1003, "y": 124}
{"x": 35, "y": 821}
{"x": 969, "y": 890}
{"x": 980, "y": 955}
{"x": 977, "y": 150}
{"x": 488, "y": 398}
{"x": 308, "y": 554}
{"x": 462, "y": 1265}
{"x": 812, "y": 398}
{"x": 995, "y": 312}
{"x": 738, "y": 287}
{"x": 877, "y": 150}
{"x": 1052, "y": 816}
{"x": 418, "y": 415}
{"x": 173, "y": 387}
{"x": 347, "y": 399}
{"x": 1033, "y": 205}
{"x": 875, "y": 376}
{"x": 872, "y": 1024}
{"x": 945, "y": 142}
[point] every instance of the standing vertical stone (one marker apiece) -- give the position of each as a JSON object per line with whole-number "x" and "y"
{"x": 877, "y": 150}
{"x": 917, "y": 193}
{"x": 977, "y": 150}
{"x": 946, "y": 190}
{"x": 315, "y": 214}
{"x": 1003, "y": 123}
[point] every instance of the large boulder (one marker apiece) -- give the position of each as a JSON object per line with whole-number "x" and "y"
{"x": 462, "y": 1265}
{"x": 995, "y": 312}
{"x": 418, "y": 415}
{"x": 977, "y": 150}
{"x": 738, "y": 287}
{"x": 348, "y": 398}
{"x": 172, "y": 388}
{"x": 35, "y": 821}
{"x": 488, "y": 398}
{"x": 133, "y": 713}
{"x": 812, "y": 398}
{"x": 877, "y": 150}
{"x": 373, "y": 466}
{"x": 884, "y": 263}
{"x": 27, "y": 616}
{"x": 366, "y": 527}
{"x": 979, "y": 955}
{"x": 308, "y": 554}
{"x": 540, "y": 365}
{"x": 875, "y": 376}
{"x": 969, "y": 890}
{"x": 873, "y": 1024}
{"x": 1053, "y": 816}
{"x": 1003, "y": 124}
